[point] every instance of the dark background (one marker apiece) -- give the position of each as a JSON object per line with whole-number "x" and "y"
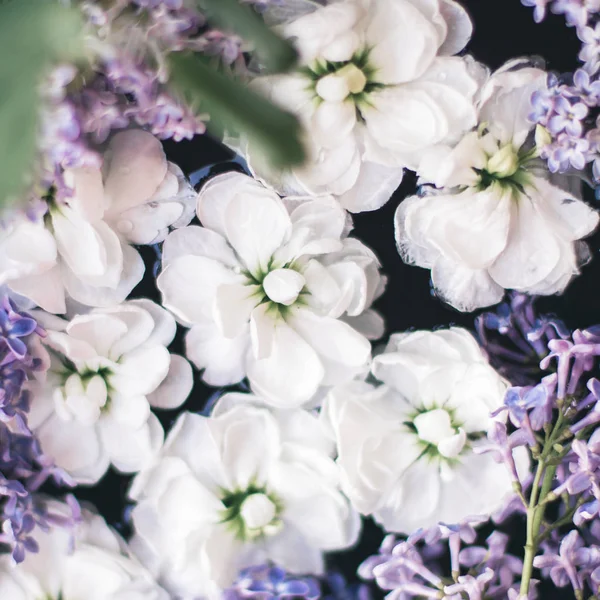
{"x": 504, "y": 29}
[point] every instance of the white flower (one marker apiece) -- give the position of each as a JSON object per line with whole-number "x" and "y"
{"x": 80, "y": 248}
{"x": 98, "y": 567}
{"x": 501, "y": 222}
{"x": 272, "y": 289}
{"x": 241, "y": 487}
{"x": 406, "y": 448}
{"x": 377, "y": 87}
{"x": 106, "y": 369}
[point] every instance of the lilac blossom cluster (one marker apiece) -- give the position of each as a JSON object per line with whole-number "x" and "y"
{"x": 127, "y": 84}
{"x": 516, "y": 338}
{"x": 23, "y": 466}
{"x": 412, "y": 568}
{"x": 553, "y": 412}
{"x": 567, "y": 109}
{"x": 556, "y": 420}
{"x": 269, "y": 582}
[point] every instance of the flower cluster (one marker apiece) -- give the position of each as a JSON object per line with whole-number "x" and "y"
{"x": 23, "y": 465}
{"x": 567, "y": 109}
{"x": 556, "y": 418}
{"x": 431, "y": 436}
{"x": 70, "y": 564}
{"x": 410, "y": 569}
{"x": 378, "y": 85}
{"x": 516, "y": 338}
{"x": 494, "y": 219}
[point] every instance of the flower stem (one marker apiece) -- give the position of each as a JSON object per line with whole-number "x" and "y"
{"x": 540, "y": 489}
{"x": 532, "y": 532}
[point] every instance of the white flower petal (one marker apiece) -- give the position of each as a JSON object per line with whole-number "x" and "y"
{"x": 233, "y": 305}
{"x": 45, "y": 289}
{"x": 217, "y": 193}
{"x": 175, "y": 387}
{"x": 79, "y": 243}
{"x": 134, "y": 167}
{"x": 131, "y": 449}
{"x": 531, "y": 252}
{"x": 189, "y": 284}
{"x": 331, "y": 338}
{"x": 460, "y": 27}
{"x": 403, "y": 41}
{"x": 291, "y": 374}
{"x": 100, "y": 331}
{"x": 197, "y": 241}
{"x": 374, "y": 187}
{"x": 256, "y": 224}
{"x": 129, "y": 411}
{"x": 164, "y": 327}
{"x": 88, "y": 199}
{"x": 222, "y": 359}
{"x": 124, "y": 260}
{"x": 415, "y": 501}
{"x": 283, "y": 286}
{"x": 465, "y": 289}
{"x": 141, "y": 371}
{"x": 74, "y": 447}
{"x": 572, "y": 219}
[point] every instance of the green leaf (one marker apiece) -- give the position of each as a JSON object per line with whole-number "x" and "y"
{"x": 275, "y": 53}
{"x": 34, "y": 34}
{"x": 233, "y": 106}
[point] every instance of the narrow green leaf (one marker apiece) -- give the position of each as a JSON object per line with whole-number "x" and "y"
{"x": 233, "y": 106}
{"x": 275, "y": 53}
{"x": 33, "y": 35}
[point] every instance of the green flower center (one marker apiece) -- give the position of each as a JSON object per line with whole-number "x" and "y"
{"x": 251, "y": 513}
{"x": 506, "y": 167}
{"x": 336, "y": 81}
{"x": 75, "y": 384}
{"x": 280, "y": 287}
{"x": 440, "y": 433}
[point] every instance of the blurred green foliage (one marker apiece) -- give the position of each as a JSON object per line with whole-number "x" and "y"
{"x": 33, "y": 35}
{"x": 235, "y": 108}
{"x": 276, "y": 54}
{"x": 36, "y": 34}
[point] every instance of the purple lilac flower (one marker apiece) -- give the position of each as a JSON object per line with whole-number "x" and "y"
{"x": 402, "y": 566}
{"x": 268, "y": 582}
{"x": 588, "y": 89}
{"x": 577, "y": 12}
{"x": 516, "y": 338}
{"x": 590, "y": 51}
{"x": 539, "y": 8}
{"x": 506, "y": 566}
{"x": 340, "y": 589}
{"x": 564, "y": 108}
{"x": 23, "y": 466}
{"x": 542, "y": 103}
{"x": 16, "y": 362}
{"x": 562, "y": 565}
{"x": 566, "y": 152}
{"x": 567, "y": 117}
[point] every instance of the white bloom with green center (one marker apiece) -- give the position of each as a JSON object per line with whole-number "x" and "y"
{"x": 245, "y": 486}
{"x": 82, "y": 247}
{"x": 107, "y": 368}
{"x": 377, "y": 86}
{"x": 92, "y": 564}
{"x": 272, "y": 289}
{"x": 500, "y": 220}
{"x": 407, "y": 448}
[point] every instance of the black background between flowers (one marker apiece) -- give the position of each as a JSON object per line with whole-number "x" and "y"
{"x": 504, "y": 29}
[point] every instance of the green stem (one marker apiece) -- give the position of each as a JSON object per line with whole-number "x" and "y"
{"x": 532, "y": 533}
{"x": 535, "y": 511}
